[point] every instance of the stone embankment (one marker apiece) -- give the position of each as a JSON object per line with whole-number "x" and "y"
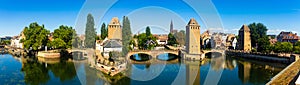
{"x": 274, "y": 57}
{"x": 287, "y": 75}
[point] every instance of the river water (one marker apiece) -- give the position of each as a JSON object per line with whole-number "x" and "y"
{"x": 232, "y": 71}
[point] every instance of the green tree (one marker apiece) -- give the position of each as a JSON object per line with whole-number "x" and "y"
{"x": 148, "y": 31}
{"x": 283, "y": 47}
{"x": 145, "y": 42}
{"x": 58, "y": 44}
{"x": 90, "y": 32}
{"x": 131, "y": 43}
{"x": 257, "y": 31}
{"x": 171, "y": 39}
{"x": 264, "y": 45}
{"x": 104, "y": 32}
{"x": 76, "y": 42}
{"x": 180, "y": 37}
{"x": 297, "y": 47}
{"x": 66, "y": 34}
{"x": 5, "y": 42}
{"x": 36, "y": 36}
{"x": 126, "y": 35}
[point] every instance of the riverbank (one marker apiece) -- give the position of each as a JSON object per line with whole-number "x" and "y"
{"x": 279, "y": 58}
{"x": 286, "y": 76}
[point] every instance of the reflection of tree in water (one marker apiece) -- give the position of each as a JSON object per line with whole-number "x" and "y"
{"x": 255, "y": 73}
{"x": 63, "y": 70}
{"x": 118, "y": 79}
{"x": 217, "y": 61}
{"x": 35, "y": 73}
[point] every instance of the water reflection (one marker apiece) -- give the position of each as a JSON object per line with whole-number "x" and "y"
{"x": 39, "y": 73}
{"x": 236, "y": 71}
{"x": 167, "y": 57}
{"x": 140, "y": 57}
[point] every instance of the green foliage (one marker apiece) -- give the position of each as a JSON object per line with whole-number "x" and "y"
{"x": 33, "y": 71}
{"x": 104, "y": 32}
{"x": 76, "y": 42}
{"x": 36, "y": 36}
{"x": 126, "y": 35}
{"x": 132, "y": 44}
{"x": 5, "y": 42}
{"x": 148, "y": 31}
{"x": 257, "y": 31}
{"x": 297, "y": 47}
{"x": 264, "y": 45}
{"x": 64, "y": 35}
{"x": 283, "y": 47}
{"x": 172, "y": 40}
{"x": 98, "y": 38}
{"x": 58, "y": 43}
{"x": 63, "y": 70}
{"x": 90, "y": 32}
{"x": 180, "y": 37}
{"x": 143, "y": 39}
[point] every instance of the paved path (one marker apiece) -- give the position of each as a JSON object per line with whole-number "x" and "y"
{"x": 286, "y": 76}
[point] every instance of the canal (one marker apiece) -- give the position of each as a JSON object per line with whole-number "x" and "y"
{"x": 234, "y": 71}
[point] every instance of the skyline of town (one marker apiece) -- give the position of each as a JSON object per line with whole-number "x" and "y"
{"x": 277, "y": 16}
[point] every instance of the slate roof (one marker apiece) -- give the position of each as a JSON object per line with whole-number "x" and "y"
{"x": 112, "y": 44}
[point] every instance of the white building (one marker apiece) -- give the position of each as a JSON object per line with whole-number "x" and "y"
{"x": 111, "y": 45}
{"x": 100, "y": 44}
{"x": 15, "y": 42}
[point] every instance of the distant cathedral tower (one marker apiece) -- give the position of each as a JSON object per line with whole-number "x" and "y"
{"x": 244, "y": 41}
{"x": 193, "y": 37}
{"x": 114, "y": 29}
{"x": 171, "y": 27}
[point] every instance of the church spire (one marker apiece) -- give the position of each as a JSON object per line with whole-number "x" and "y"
{"x": 171, "y": 27}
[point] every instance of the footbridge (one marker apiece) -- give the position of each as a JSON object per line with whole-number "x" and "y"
{"x": 154, "y": 54}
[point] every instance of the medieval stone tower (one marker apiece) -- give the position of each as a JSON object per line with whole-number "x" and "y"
{"x": 193, "y": 37}
{"x": 114, "y": 29}
{"x": 244, "y": 41}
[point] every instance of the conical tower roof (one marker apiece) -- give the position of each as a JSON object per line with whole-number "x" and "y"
{"x": 193, "y": 22}
{"x": 244, "y": 28}
{"x": 115, "y": 21}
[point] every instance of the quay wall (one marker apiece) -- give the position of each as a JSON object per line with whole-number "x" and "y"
{"x": 279, "y": 58}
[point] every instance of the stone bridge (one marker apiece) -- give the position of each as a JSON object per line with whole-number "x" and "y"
{"x": 204, "y": 52}
{"x": 153, "y": 54}
{"x": 213, "y": 50}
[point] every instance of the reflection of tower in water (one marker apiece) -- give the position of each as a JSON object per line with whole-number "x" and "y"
{"x": 244, "y": 71}
{"x": 193, "y": 73}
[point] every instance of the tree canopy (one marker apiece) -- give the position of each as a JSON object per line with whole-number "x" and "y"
{"x": 297, "y": 47}
{"x": 90, "y": 33}
{"x": 257, "y": 31}
{"x": 259, "y": 38}
{"x": 148, "y": 31}
{"x": 63, "y": 37}
{"x": 126, "y": 35}
{"x": 283, "y": 47}
{"x": 146, "y": 42}
{"x": 180, "y": 37}
{"x": 171, "y": 39}
{"x": 36, "y": 36}
{"x": 104, "y": 32}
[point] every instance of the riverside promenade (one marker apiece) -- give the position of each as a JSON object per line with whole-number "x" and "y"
{"x": 288, "y": 76}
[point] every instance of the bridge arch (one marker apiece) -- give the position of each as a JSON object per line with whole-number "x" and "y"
{"x": 170, "y": 56}
{"x": 142, "y": 56}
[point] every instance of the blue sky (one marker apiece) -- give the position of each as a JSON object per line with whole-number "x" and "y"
{"x": 277, "y": 15}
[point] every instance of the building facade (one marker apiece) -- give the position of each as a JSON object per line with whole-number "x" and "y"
{"x": 114, "y": 29}
{"x": 193, "y": 37}
{"x": 288, "y": 37}
{"x": 244, "y": 40}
